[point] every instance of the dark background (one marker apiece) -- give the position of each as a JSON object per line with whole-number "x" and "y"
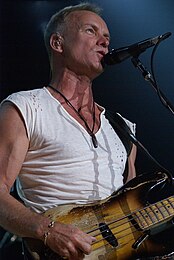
{"x": 24, "y": 64}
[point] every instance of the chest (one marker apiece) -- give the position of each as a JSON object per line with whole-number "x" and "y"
{"x": 61, "y": 135}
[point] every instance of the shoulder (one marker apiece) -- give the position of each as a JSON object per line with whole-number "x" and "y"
{"x": 26, "y": 99}
{"x": 130, "y": 124}
{"x": 117, "y": 118}
{"x": 28, "y": 94}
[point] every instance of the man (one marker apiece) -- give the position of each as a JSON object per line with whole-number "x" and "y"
{"x": 57, "y": 139}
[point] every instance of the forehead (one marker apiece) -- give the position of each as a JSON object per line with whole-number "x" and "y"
{"x": 83, "y": 17}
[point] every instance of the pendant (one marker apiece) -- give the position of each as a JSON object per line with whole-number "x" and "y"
{"x": 94, "y": 141}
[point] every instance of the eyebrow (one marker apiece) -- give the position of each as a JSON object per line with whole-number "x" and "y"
{"x": 95, "y": 26}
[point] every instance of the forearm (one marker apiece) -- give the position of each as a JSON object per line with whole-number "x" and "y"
{"x": 19, "y": 220}
{"x": 65, "y": 240}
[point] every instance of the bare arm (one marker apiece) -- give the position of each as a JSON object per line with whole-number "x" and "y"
{"x": 13, "y": 147}
{"x": 14, "y": 216}
{"x": 131, "y": 164}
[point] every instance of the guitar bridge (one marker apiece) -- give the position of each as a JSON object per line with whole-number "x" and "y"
{"x": 108, "y": 235}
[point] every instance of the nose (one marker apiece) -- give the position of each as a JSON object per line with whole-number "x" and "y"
{"x": 103, "y": 41}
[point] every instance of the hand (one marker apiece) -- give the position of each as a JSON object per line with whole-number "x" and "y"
{"x": 69, "y": 242}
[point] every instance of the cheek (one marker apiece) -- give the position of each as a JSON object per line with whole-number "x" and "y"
{"x": 82, "y": 53}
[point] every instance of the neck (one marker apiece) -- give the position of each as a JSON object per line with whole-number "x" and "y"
{"x": 77, "y": 89}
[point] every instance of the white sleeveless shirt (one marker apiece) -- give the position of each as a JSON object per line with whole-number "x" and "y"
{"x": 61, "y": 165}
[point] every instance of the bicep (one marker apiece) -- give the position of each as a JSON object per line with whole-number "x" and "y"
{"x": 131, "y": 164}
{"x": 13, "y": 144}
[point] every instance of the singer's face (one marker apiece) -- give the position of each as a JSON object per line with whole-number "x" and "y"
{"x": 86, "y": 40}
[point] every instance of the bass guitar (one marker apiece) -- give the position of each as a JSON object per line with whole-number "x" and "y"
{"x": 127, "y": 225}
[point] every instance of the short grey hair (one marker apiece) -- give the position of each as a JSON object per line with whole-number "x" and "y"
{"x": 57, "y": 21}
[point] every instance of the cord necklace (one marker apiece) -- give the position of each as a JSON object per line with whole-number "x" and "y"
{"x": 90, "y": 131}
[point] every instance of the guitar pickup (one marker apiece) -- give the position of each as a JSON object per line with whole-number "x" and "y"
{"x": 108, "y": 235}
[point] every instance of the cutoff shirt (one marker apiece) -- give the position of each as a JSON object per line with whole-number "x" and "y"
{"x": 61, "y": 165}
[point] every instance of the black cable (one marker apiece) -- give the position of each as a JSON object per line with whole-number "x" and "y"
{"x": 160, "y": 94}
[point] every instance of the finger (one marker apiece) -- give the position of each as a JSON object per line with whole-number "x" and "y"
{"x": 93, "y": 239}
{"x": 79, "y": 251}
{"x": 86, "y": 248}
{"x": 82, "y": 242}
{"x": 87, "y": 238}
{"x": 73, "y": 252}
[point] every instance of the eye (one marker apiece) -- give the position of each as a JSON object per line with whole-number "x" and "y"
{"x": 90, "y": 30}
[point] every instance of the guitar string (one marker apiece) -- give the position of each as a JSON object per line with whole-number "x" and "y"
{"x": 107, "y": 243}
{"x": 130, "y": 219}
{"x": 130, "y": 233}
{"x": 133, "y": 218}
{"x": 111, "y": 248}
{"x": 122, "y": 224}
{"x": 115, "y": 233}
{"x": 121, "y": 237}
{"x": 118, "y": 232}
{"x": 169, "y": 203}
{"x": 139, "y": 210}
{"x": 125, "y": 235}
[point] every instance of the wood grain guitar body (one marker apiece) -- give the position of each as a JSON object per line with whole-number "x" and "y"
{"x": 126, "y": 225}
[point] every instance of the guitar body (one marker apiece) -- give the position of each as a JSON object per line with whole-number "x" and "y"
{"x": 124, "y": 225}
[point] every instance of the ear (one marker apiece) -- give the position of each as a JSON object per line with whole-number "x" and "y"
{"x": 56, "y": 41}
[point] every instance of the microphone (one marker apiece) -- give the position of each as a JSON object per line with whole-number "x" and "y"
{"x": 118, "y": 55}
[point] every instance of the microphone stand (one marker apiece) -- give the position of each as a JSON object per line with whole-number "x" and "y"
{"x": 148, "y": 77}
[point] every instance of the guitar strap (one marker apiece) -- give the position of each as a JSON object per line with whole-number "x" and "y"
{"x": 121, "y": 128}
{"x": 123, "y": 131}
{"x": 128, "y": 139}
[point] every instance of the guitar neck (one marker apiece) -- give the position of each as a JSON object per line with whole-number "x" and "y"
{"x": 155, "y": 214}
